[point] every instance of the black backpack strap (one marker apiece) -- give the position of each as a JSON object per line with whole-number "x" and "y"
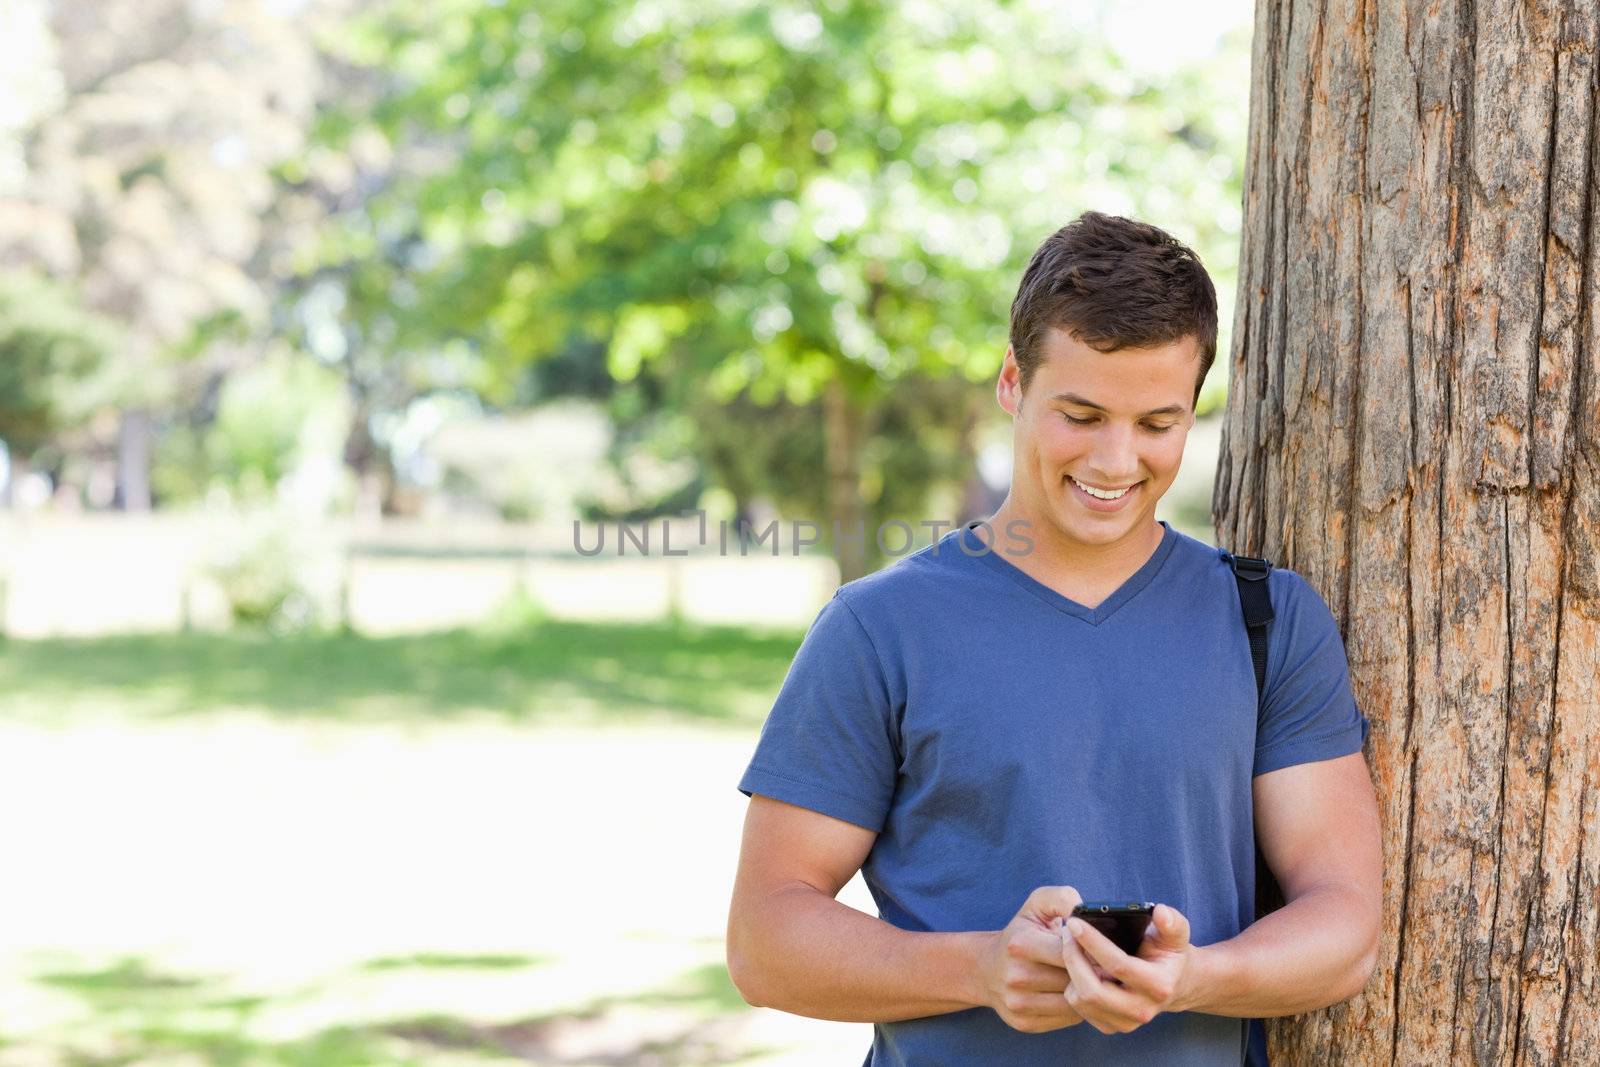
{"x": 1251, "y": 574}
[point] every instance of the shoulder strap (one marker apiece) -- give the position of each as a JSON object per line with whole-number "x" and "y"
{"x": 1250, "y": 572}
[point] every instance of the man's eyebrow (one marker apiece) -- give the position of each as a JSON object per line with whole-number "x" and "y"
{"x": 1074, "y": 398}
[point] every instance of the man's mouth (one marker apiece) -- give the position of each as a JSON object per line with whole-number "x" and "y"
{"x": 1103, "y": 494}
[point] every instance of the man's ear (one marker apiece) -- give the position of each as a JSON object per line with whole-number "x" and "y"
{"x": 1008, "y": 386}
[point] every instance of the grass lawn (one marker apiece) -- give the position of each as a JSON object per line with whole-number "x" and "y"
{"x": 538, "y": 674}
{"x": 501, "y": 846}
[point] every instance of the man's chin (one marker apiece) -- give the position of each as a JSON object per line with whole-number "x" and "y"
{"x": 1099, "y": 529}
{"x": 1100, "y": 533}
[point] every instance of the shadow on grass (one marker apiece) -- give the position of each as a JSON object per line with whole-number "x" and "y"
{"x": 131, "y": 987}
{"x": 146, "y": 1017}
{"x": 550, "y": 670}
{"x": 447, "y": 961}
{"x": 131, "y": 977}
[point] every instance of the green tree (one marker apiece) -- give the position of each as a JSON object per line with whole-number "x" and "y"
{"x": 142, "y": 171}
{"x": 53, "y": 354}
{"x": 814, "y": 204}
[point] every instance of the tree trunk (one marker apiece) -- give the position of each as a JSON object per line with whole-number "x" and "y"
{"x": 368, "y": 464}
{"x": 134, "y": 447}
{"x": 1414, "y": 426}
{"x": 844, "y": 429}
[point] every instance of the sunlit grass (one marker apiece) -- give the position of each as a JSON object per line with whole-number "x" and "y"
{"x": 543, "y": 672}
{"x": 142, "y": 1015}
{"x": 533, "y": 992}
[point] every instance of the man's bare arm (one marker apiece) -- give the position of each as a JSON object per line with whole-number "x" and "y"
{"x": 1317, "y": 826}
{"x": 793, "y": 947}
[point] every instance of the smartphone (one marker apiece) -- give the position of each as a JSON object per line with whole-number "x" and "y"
{"x": 1124, "y": 923}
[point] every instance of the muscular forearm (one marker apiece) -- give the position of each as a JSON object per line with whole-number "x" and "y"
{"x": 1315, "y": 951}
{"x": 803, "y": 952}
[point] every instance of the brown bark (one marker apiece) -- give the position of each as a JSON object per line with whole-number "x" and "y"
{"x": 1414, "y": 426}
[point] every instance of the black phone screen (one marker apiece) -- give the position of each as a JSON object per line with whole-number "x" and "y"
{"x": 1123, "y": 922}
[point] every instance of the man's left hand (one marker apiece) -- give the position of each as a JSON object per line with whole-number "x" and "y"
{"x": 1117, "y": 993}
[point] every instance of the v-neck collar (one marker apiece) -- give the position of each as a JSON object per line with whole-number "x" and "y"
{"x": 973, "y": 545}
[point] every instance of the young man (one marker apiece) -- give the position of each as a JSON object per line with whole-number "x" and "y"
{"x": 1062, "y": 706}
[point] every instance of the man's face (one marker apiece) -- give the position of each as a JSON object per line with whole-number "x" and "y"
{"x": 1108, "y": 420}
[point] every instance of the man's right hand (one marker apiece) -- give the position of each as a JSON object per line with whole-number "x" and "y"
{"x": 1022, "y": 972}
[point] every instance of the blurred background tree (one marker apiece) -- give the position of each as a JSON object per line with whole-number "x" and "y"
{"x": 53, "y": 364}
{"x": 761, "y": 216}
{"x": 275, "y": 268}
{"x": 145, "y": 155}
{"x": 771, "y": 247}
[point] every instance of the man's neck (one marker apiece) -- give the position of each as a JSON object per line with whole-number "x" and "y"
{"x": 1071, "y": 565}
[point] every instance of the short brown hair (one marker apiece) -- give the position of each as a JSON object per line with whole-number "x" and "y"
{"x": 1113, "y": 283}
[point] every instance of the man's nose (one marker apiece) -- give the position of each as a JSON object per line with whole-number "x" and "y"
{"x": 1115, "y": 457}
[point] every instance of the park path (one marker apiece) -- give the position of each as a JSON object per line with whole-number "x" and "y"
{"x": 278, "y": 857}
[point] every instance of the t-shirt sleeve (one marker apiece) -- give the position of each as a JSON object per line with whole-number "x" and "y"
{"x": 1308, "y": 713}
{"x": 829, "y": 743}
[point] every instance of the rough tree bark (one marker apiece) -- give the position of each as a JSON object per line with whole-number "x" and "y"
{"x": 1414, "y": 426}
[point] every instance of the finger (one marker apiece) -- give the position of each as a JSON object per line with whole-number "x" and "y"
{"x": 1042, "y": 1006}
{"x": 1038, "y": 977}
{"x": 1050, "y": 902}
{"x": 1171, "y": 928}
{"x": 1036, "y": 944}
{"x": 1096, "y": 1000}
{"x": 1079, "y": 969}
{"x": 1130, "y": 971}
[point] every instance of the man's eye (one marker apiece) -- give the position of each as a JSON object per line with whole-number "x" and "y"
{"x": 1158, "y": 429}
{"x": 1077, "y": 421}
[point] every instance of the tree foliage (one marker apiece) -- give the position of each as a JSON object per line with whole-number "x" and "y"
{"x": 753, "y": 199}
{"x": 53, "y": 358}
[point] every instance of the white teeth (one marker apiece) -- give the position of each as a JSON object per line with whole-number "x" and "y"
{"x": 1099, "y": 493}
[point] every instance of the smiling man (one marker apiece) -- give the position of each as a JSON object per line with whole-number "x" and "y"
{"x": 1060, "y": 704}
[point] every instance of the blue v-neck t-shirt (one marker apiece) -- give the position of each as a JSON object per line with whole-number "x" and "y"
{"x": 999, "y": 736}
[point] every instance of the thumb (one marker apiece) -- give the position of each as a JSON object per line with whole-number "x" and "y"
{"x": 1051, "y": 901}
{"x": 1171, "y": 928}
